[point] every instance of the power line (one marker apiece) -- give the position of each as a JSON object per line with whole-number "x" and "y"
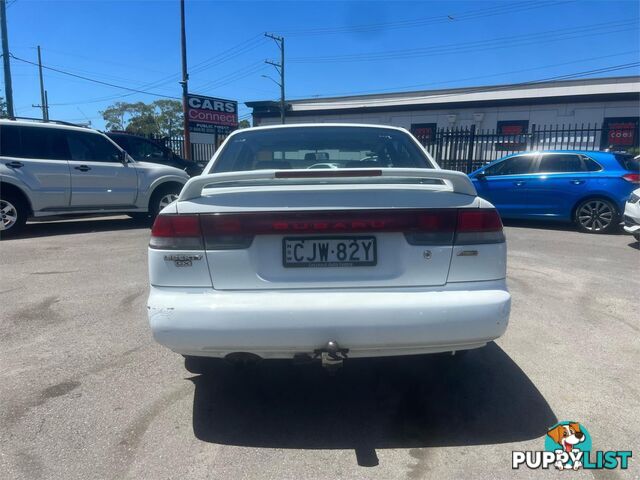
{"x": 95, "y": 60}
{"x": 134, "y": 90}
{"x": 240, "y": 73}
{"x": 420, "y": 22}
{"x": 569, "y": 76}
{"x": 230, "y": 54}
{"x": 224, "y": 56}
{"x": 463, "y": 47}
{"x": 417, "y": 85}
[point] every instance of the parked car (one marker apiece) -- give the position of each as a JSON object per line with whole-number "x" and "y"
{"x": 145, "y": 150}
{"x": 59, "y": 169}
{"x": 632, "y": 214}
{"x": 382, "y": 253}
{"x": 587, "y": 188}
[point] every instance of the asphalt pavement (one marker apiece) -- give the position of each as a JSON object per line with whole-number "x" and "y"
{"x": 85, "y": 393}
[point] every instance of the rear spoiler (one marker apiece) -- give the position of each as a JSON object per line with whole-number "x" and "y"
{"x": 458, "y": 181}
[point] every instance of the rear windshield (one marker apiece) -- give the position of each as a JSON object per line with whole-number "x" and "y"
{"x": 320, "y": 148}
{"x": 628, "y": 162}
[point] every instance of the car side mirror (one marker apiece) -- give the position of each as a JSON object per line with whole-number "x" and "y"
{"x": 122, "y": 156}
{"x": 481, "y": 175}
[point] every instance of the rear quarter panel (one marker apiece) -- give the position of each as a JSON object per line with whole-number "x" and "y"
{"x": 151, "y": 176}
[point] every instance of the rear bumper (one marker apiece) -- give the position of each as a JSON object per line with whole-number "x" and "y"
{"x": 371, "y": 322}
{"x": 632, "y": 218}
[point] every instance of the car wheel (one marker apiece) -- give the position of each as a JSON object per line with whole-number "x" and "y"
{"x": 13, "y": 214}
{"x": 161, "y": 198}
{"x": 596, "y": 215}
{"x": 202, "y": 365}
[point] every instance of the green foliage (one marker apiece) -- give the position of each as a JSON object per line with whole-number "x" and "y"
{"x": 243, "y": 124}
{"x": 634, "y": 151}
{"x": 160, "y": 118}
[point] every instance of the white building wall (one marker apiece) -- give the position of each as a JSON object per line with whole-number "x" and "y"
{"x": 564, "y": 113}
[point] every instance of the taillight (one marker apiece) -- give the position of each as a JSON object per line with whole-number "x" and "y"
{"x": 224, "y": 231}
{"x": 176, "y": 232}
{"x": 632, "y": 177}
{"x": 477, "y": 226}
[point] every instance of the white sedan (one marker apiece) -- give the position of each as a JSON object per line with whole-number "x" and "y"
{"x": 632, "y": 214}
{"x": 268, "y": 255}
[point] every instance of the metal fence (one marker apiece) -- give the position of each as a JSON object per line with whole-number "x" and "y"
{"x": 466, "y": 149}
{"x": 200, "y": 152}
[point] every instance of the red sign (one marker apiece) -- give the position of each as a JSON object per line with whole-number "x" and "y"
{"x": 512, "y": 129}
{"x": 216, "y": 118}
{"x": 424, "y": 132}
{"x": 513, "y": 134}
{"x": 211, "y": 115}
{"x": 622, "y": 133}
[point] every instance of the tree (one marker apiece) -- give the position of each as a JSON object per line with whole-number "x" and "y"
{"x": 142, "y": 119}
{"x": 114, "y": 116}
{"x": 243, "y": 124}
{"x": 3, "y": 107}
{"x": 159, "y": 118}
{"x": 169, "y": 116}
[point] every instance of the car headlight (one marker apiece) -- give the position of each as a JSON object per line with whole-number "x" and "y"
{"x": 633, "y": 198}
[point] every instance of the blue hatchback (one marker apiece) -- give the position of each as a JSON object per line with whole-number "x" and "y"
{"x": 588, "y": 188}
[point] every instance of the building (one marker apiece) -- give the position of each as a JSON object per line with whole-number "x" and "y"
{"x": 610, "y": 105}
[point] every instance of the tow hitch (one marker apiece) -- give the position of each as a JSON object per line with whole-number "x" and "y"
{"x": 331, "y": 355}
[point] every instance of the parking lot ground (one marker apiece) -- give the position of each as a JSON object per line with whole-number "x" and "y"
{"x": 86, "y": 393}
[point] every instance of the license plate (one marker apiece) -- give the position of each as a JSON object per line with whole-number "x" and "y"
{"x": 317, "y": 252}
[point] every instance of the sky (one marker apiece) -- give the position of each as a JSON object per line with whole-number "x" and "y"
{"x": 332, "y": 48}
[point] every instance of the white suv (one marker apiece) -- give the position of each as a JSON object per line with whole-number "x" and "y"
{"x": 326, "y": 241}
{"x": 58, "y": 169}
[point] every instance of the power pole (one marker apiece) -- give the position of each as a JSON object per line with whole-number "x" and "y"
{"x": 280, "y": 68}
{"x": 44, "y": 106}
{"x": 185, "y": 88}
{"x": 8, "y": 89}
{"x": 43, "y": 101}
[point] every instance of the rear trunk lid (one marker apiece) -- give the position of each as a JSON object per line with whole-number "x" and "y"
{"x": 328, "y": 234}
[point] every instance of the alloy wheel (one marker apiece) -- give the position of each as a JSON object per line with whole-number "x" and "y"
{"x": 167, "y": 199}
{"x": 595, "y": 215}
{"x": 8, "y": 215}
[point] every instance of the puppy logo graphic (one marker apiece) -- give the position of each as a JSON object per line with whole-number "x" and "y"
{"x": 567, "y": 446}
{"x": 568, "y": 436}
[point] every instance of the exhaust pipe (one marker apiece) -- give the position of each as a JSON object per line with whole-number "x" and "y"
{"x": 242, "y": 358}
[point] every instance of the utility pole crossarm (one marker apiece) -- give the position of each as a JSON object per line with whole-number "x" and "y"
{"x": 275, "y": 64}
{"x": 280, "y": 68}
